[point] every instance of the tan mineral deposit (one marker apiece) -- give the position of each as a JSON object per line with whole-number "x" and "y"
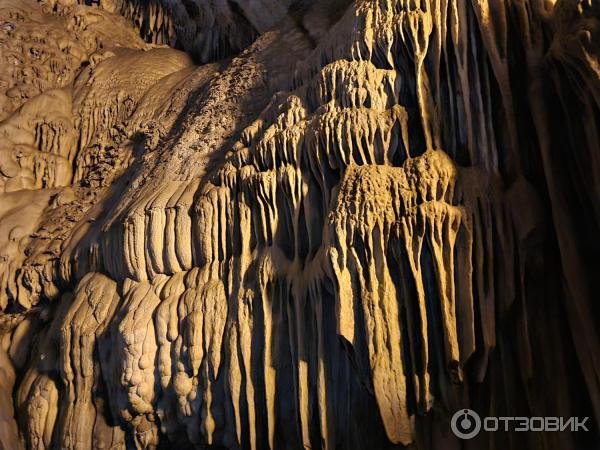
{"x": 299, "y": 224}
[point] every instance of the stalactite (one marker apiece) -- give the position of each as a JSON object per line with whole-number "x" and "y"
{"x": 362, "y": 218}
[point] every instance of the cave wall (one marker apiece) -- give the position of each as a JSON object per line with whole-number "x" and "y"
{"x": 274, "y": 224}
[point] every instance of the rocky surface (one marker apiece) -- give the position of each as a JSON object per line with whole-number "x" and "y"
{"x": 283, "y": 224}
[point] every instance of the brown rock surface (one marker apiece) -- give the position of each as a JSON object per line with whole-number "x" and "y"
{"x": 282, "y": 224}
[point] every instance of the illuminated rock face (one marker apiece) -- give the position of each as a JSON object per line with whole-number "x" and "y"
{"x": 324, "y": 225}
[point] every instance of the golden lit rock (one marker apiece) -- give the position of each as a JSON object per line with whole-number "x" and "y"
{"x": 282, "y": 224}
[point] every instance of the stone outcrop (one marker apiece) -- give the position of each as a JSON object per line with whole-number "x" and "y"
{"x": 297, "y": 224}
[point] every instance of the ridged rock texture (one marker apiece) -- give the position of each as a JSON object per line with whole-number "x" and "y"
{"x": 283, "y": 224}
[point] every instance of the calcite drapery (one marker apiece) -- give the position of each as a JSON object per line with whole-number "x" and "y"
{"x": 331, "y": 226}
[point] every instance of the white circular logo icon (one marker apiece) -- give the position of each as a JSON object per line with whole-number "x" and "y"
{"x": 466, "y": 424}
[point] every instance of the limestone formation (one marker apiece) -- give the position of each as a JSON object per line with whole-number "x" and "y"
{"x": 295, "y": 224}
